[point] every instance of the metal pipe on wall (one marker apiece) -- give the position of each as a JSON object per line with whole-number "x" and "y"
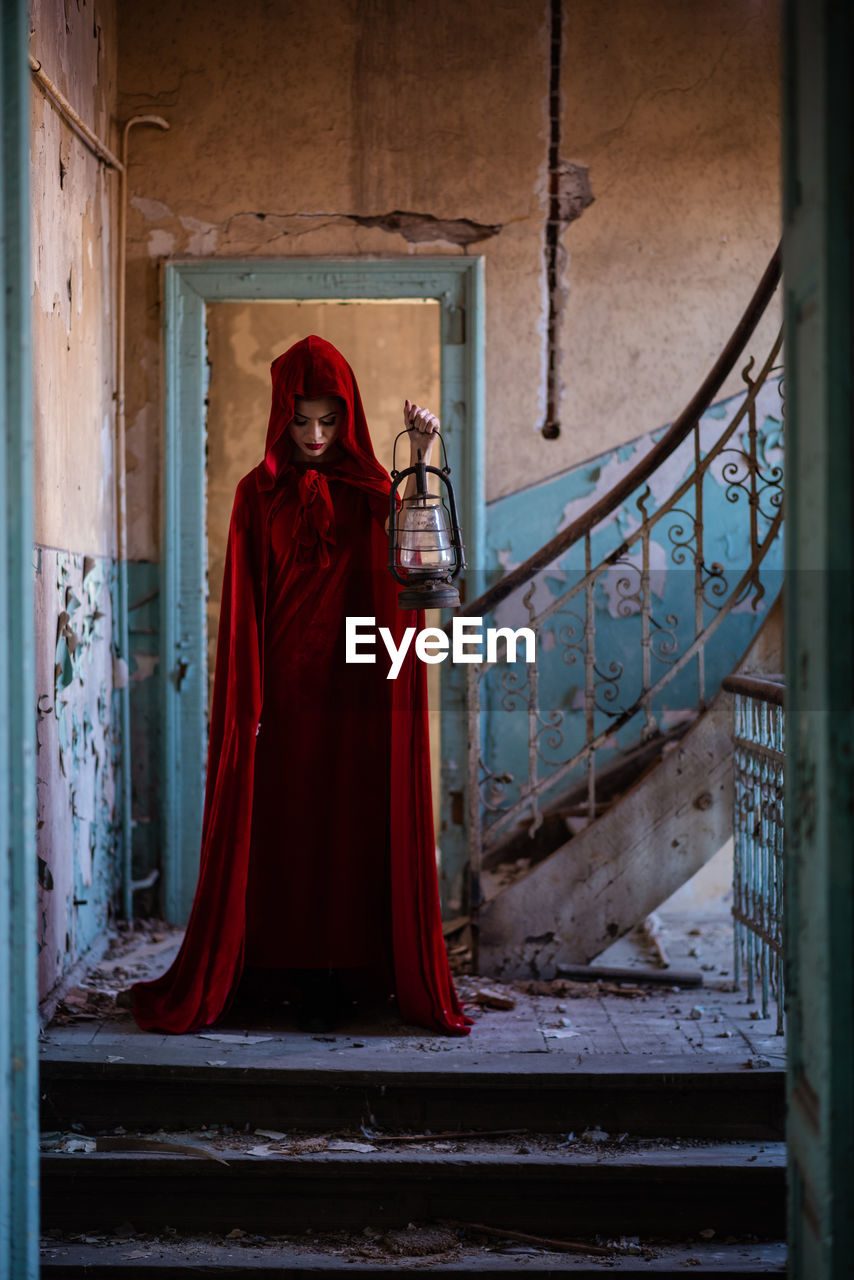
{"x": 111, "y": 161}
{"x": 75, "y": 121}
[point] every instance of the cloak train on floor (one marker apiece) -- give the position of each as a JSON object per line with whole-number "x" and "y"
{"x": 317, "y": 841}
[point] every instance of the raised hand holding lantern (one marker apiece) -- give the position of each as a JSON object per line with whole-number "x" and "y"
{"x": 425, "y": 551}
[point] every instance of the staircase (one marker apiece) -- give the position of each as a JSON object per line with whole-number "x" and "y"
{"x": 678, "y": 1149}
{"x": 653, "y": 836}
{"x": 599, "y": 778}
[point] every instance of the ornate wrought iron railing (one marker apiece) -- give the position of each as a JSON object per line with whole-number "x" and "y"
{"x": 758, "y": 892}
{"x": 648, "y": 563}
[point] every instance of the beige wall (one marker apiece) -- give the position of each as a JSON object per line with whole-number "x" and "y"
{"x": 290, "y": 121}
{"x": 73, "y": 250}
{"x": 675, "y": 108}
{"x": 73, "y": 335}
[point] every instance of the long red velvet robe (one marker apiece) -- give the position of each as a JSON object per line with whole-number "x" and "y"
{"x": 317, "y": 839}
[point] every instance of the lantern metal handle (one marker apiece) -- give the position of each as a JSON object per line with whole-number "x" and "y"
{"x": 445, "y": 471}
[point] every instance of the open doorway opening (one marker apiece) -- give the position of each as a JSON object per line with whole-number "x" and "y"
{"x": 192, "y": 291}
{"x": 394, "y": 349}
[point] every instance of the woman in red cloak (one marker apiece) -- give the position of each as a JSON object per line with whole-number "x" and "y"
{"x": 318, "y": 853}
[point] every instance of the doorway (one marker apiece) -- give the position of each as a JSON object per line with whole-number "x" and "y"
{"x": 392, "y": 346}
{"x": 236, "y": 316}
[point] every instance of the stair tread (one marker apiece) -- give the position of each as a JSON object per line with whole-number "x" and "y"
{"x": 392, "y": 1065}
{"x": 736, "y": 1189}
{"x": 751, "y": 1157}
{"x": 275, "y": 1259}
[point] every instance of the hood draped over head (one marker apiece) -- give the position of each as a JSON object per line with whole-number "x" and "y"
{"x": 313, "y": 368}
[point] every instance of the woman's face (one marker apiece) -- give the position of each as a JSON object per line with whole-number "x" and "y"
{"x": 314, "y": 426}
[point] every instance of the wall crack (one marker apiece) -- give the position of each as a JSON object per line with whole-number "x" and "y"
{"x": 570, "y": 193}
{"x": 416, "y": 228}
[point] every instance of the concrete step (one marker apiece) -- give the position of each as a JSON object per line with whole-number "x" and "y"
{"x": 227, "y": 1260}
{"x": 733, "y": 1189}
{"x": 685, "y": 1096}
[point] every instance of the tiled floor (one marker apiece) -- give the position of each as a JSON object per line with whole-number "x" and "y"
{"x": 587, "y": 1022}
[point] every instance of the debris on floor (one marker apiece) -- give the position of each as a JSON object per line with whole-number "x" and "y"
{"x": 419, "y": 1242}
{"x": 598, "y": 1013}
{"x": 138, "y": 951}
{"x": 492, "y": 999}
{"x": 580, "y": 990}
{"x": 417, "y": 1247}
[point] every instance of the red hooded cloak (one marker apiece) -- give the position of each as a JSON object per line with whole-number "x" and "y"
{"x": 317, "y": 838}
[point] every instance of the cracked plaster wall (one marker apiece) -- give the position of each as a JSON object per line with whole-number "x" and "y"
{"x": 73, "y": 335}
{"x": 294, "y": 128}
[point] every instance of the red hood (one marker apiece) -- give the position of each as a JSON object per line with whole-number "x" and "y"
{"x": 313, "y": 368}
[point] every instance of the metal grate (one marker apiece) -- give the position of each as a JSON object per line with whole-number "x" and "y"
{"x": 758, "y": 884}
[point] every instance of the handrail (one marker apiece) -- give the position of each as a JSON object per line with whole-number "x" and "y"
{"x": 758, "y": 872}
{"x": 696, "y": 407}
{"x": 763, "y": 688}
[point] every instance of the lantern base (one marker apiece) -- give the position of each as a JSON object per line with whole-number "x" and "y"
{"x": 429, "y": 595}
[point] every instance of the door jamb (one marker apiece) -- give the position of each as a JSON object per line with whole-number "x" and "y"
{"x": 189, "y": 285}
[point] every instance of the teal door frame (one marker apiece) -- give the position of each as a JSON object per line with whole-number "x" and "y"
{"x": 818, "y": 199}
{"x": 189, "y": 286}
{"x": 19, "y": 1130}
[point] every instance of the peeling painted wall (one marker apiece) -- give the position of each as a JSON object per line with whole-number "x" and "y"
{"x": 73, "y": 214}
{"x": 524, "y": 521}
{"x": 337, "y": 142}
{"x": 77, "y": 754}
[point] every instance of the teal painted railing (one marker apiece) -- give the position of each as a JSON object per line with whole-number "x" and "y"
{"x": 758, "y": 881}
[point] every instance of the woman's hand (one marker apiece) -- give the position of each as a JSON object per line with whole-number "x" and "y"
{"x": 422, "y": 427}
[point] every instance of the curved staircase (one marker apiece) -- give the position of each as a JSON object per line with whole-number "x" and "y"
{"x": 601, "y": 882}
{"x": 590, "y": 803}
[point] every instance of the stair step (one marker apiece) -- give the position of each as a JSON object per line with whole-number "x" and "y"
{"x": 226, "y": 1260}
{"x": 648, "y": 1097}
{"x": 734, "y": 1189}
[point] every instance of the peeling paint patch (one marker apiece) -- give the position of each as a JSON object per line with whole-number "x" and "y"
{"x": 152, "y": 210}
{"x": 204, "y": 236}
{"x": 145, "y": 667}
{"x": 160, "y": 243}
{"x": 78, "y": 755}
{"x": 420, "y": 227}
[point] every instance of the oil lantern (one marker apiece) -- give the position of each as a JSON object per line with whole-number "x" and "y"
{"x": 425, "y": 552}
